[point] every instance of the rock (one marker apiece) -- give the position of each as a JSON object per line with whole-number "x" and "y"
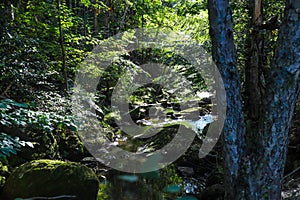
{"x": 49, "y": 178}
{"x": 186, "y": 171}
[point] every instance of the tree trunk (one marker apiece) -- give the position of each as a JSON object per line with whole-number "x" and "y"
{"x": 277, "y": 110}
{"x": 254, "y": 63}
{"x": 62, "y": 46}
{"x": 84, "y": 20}
{"x": 96, "y": 12}
{"x": 224, "y": 55}
{"x": 254, "y": 165}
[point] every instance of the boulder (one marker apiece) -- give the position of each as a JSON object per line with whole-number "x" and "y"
{"x": 51, "y": 179}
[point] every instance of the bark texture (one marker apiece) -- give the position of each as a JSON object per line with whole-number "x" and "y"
{"x": 254, "y": 165}
{"x": 254, "y": 62}
{"x": 224, "y": 56}
{"x": 282, "y": 92}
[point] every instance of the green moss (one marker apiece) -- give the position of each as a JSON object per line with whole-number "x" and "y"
{"x": 50, "y": 178}
{"x": 3, "y": 174}
{"x": 102, "y": 192}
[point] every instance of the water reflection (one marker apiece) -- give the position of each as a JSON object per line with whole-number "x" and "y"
{"x": 166, "y": 183}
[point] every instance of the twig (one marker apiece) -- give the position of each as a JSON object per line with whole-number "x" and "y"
{"x": 291, "y": 173}
{"x": 57, "y": 197}
{"x": 8, "y": 88}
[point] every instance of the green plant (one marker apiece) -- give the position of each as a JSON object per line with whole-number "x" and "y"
{"x": 17, "y": 114}
{"x": 10, "y": 145}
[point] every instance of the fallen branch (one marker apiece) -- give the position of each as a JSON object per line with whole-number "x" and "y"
{"x": 57, "y": 197}
{"x": 291, "y": 173}
{"x": 7, "y": 89}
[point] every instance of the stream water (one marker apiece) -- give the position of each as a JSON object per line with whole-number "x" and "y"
{"x": 172, "y": 182}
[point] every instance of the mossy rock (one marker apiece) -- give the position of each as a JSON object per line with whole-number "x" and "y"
{"x": 48, "y": 178}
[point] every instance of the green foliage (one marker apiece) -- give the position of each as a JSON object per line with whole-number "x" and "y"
{"x": 241, "y": 19}
{"x": 52, "y": 132}
{"x": 10, "y": 145}
{"x": 31, "y": 66}
{"x": 102, "y": 192}
{"x": 4, "y": 173}
{"x": 30, "y": 54}
{"x": 242, "y": 16}
{"x": 18, "y": 114}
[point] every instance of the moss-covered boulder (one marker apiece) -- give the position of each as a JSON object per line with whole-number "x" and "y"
{"x": 48, "y": 178}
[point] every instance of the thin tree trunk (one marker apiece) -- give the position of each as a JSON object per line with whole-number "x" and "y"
{"x": 107, "y": 19}
{"x": 95, "y": 21}
{"x": 84, "y": 20}
{"x": 224, "y": 55}
{"x": 254, "y": 63}
{"x": 62, "y": 47}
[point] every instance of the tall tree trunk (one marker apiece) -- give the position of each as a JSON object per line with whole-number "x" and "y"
{"x": 268, "y": 159}
{"x": 107, "y": 20}
{"x": 62, "y": 46}
{"x": 96, "y": 12}
{"x": 224, "y": 55}
{"x": 84, "y": 20}
{"x": 254, "y": 62}
{"x": 254, "y": 165}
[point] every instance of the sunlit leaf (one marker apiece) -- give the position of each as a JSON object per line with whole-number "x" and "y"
{"x": 30, "y": 144}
